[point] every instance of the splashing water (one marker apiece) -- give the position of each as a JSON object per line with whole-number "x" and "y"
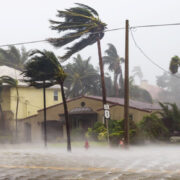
{"x": 149, "y": 162}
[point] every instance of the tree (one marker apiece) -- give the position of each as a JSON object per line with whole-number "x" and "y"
{"x": 153, "y": 128}
{"x": 13, "y": 57}
{"x": 138, "y": 93}
{"x": 171, "y": 116}
{"x": 137, "y": 72}
{"x": 174, "y": 64}
{"x": 170, "y": 85}
{"x": 48, "y": 68}
{"x": 84, "y": 26}
{"x": 81, "y": 79}
{"x": 14, "y": 83}
{"x": 114, "y": 61}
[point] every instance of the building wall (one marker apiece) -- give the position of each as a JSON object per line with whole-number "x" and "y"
{"x": 5, "y": 101}
{"x": 117, "y": 113}
{"x": 53, "y": 112}
{"x": 31, "y": 100}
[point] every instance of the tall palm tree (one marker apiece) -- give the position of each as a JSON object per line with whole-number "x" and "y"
{"x": 49, "y": 72}
{"x": 114, "y": 61}
{"x": 14, "y": 83}
{"x": 137, "y": 72}
{"x": 81, "y": 77}
{"x": 13, "y": 57}
{"x": 83, "y": 27}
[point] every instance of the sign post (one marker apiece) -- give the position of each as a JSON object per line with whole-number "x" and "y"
{"x": 107, "y": 117}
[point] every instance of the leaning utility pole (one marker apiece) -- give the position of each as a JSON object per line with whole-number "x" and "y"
{"x": 126, "y": 86}
{"x": 106, "y": 111}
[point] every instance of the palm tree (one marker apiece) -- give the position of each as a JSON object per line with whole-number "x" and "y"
{"x": 83, "y": 26}
{"x": 114, "y": 61}
{"x": 48, "y": 72}
{"x": 13, "y": 57}
{"x": 174, "y": 64}
{"x": 137, "y": 72}
{"x": 36, "y": 75}
{"x": 81, "y": 77}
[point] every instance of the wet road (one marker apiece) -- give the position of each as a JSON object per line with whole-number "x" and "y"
{"x": 149, "y": 163}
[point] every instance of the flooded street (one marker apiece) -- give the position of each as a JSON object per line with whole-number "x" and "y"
{"x": 149, "y": 163}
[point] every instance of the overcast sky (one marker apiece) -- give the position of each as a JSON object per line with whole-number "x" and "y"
{"x": 22, "y": 21}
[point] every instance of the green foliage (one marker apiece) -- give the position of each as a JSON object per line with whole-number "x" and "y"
{"x": 153, "y": 128}
{"x": 80, "y": 23}
{"x": 140, "y": 94}
{"x": 174, "y": 64}
{"x": 82, "y": 78}
{"x": 98, "y": 132}
{"x": 116, "y": 131}
{"x": 13, "y": 57}
{"x": 170, "y": 88}
{"x": 113, "y": 60}
{"x": 43, "y": 66}
{"x": 171, "y": 116}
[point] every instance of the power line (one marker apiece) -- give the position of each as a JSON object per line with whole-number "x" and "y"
{"x": 21, "y": 43}
{"x": 155, "y": 25}
{"x": 108, "y": 30}
{"x": 148, "y": 58}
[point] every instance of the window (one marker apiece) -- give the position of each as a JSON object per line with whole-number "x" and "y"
{"x": 131, "y": 118}
{"x": 55, "y": 95}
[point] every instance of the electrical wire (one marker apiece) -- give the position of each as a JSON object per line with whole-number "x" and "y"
{"x": 147, "y": 57}
{"x": 108, "y": 30}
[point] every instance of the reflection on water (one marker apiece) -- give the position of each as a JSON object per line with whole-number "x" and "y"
{"x": 150, "y": 163}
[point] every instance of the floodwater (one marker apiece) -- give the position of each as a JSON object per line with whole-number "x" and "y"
{"x": 136, "y": 163}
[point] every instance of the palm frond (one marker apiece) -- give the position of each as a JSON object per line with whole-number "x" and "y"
{"x": 91, "y": 39}
{"x": 88, "y": 8}
{"x": 174, "y": 64}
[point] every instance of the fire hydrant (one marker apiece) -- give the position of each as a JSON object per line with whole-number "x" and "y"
{"x": 86, "y": 144}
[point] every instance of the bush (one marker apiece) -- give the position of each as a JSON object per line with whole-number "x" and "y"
{"x": 152, "y": 128}
{"x": 116, "y": 131}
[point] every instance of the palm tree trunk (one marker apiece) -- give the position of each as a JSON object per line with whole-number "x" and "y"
{"x": 115, "y": 85}
{"x": 45, "y": 127}
{"x": 17, "y": 107}
{"x": 66, "y": 118}
{"x": 102, "y": 83}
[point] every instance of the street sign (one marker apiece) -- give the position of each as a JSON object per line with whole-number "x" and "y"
{"x": 106, "y": 106}
{"x": 107, "y": 114}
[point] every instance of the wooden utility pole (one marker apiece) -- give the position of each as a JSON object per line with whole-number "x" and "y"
{"x": 126, "y": 86}
{"x": 103, "y": 85}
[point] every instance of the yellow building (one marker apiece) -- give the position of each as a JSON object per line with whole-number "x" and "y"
{"x": 30, "y": 98}
{"x": 83, "y": 113}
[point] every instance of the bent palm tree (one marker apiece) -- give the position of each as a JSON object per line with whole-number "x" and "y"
{"x": 114, "y": 61}
{"x": 83, "y": 27}
{"x": 13, "y": 57}
{"x": 35, "y": 73}
{"x": 50, "y": 70}
{"x": 14, "y": 83}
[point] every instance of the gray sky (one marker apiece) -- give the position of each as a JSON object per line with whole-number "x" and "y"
{"x": 22, "y": 20}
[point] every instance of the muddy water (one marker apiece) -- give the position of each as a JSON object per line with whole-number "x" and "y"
{"x": 149, "y": 163}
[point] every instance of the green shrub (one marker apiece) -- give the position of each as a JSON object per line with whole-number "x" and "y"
{"x": 152, "y": 128}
